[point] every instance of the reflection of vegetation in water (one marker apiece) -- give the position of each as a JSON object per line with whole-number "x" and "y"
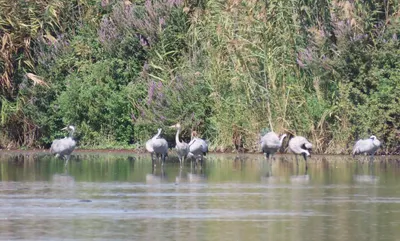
{"x": 226, "y": 200}
{"x": 101, "y": 167}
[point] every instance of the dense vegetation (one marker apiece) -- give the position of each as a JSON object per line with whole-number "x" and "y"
{"x": 118, "y": 70}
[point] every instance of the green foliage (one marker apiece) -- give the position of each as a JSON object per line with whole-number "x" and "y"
{"x": 119, "y": 70}
{"x": 93, "y": 100}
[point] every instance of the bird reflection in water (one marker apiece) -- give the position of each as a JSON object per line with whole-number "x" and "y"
{"x": 193, "y": 176}
{"x": 300, "y": 179}
{"x": 63, "y": 185}
{"x": 156, "y": 176}
{"x": 360, "y": 176}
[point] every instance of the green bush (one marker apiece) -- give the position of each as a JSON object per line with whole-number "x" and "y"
{"x": 327, "y": 70}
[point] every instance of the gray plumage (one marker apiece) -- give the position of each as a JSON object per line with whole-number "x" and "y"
{"x": 270, "y": 143}
{"x": 158, "y": 146}
{"x": 300, "y": 146}
{"x": 182, "y": 148}
{"x": 368, "y": 146}
{"x": 198, "y": 148}
{"x": 64, "y": 147}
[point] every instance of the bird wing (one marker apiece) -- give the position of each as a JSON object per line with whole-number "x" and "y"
{"x": 182, "y": 148}
{"x": 54, "y": 146}
{"x": 376, "y": 143}
{"x": 195, "y": 146}
{"x": 57, "y": 145}
{"x": 366, "y": 145}
{"x": 205, "y": 146}
{"x": 149, "y": 146}
{"x": 198, "y": 146}
{"x": 160, "y": 145}
{"x": 355, "y": 148}
{"x": 63, "y": 146}
{"x": 192, "y": 141}
{"x": 68, "y": 146}
{"x": 303, "y": 142}
{"x": 298, "y": 144}
{"x": 270, "y": 140}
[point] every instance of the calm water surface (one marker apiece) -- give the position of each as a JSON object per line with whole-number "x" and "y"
{"x": 106, "y": 196}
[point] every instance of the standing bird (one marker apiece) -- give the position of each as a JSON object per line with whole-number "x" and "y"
{"x": 270, "y": 143}
{"x": 64, "y": 147}
{"x": 369, "y": 146}
{"x": 198, "y": 148}
{"x": 182, "y": 148}
{"x": 300, "y": 145}
{"x": 158, "y": 146}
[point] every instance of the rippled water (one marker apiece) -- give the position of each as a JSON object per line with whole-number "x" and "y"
{"x": 106, "y": 196}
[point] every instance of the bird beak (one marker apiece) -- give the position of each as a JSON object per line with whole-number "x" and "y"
{"x": 65, "y": 128}
{"x": 173, "y": 126}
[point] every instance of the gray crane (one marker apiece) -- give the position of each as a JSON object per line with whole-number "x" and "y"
{"x": 64, "y": 147}
{"x": 198, "y": 148}
{"x": 300, "y": 146}
{"x": 368, "y": 146}
{"x": 158, "y": 146}
{"x": 182, "y": 148}
{"x": 270, "y": 143}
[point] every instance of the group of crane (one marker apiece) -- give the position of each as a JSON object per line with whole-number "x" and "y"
{"x": 271, "y": 143}
{"x": 299, "y": 145}
{"x": 197, "y": 148}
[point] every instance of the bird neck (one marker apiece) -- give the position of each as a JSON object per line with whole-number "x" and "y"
{"x": 281, "y": 140}
{"x": 157, "y": 135}
{"x": 177, "y": 136}
{"x": 71, "y": 133}
{"x": 375, "y": 142}
{"x": 305, "y": 152}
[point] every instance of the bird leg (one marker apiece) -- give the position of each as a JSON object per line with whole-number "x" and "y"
{"x": 152, "y": 159}
{"x": 371, "y": 159}
{"x": 163, "y": 159}
{"x": 66, "y": 160}
{"x": 180, "y": 160}
{"x": 305, "y": 159}
{"x": 269, "y": 158}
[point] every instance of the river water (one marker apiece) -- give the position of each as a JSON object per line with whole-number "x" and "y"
{"x": 118, "y": 196}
